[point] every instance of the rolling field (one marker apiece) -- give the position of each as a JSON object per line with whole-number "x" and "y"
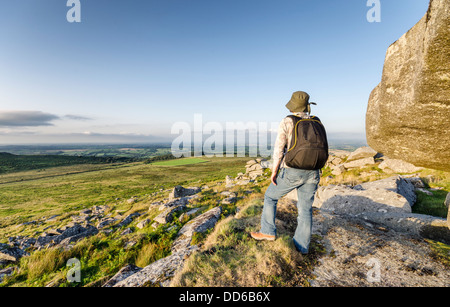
{"x": 68, "y": 189}
{"x": 179, "y": 162}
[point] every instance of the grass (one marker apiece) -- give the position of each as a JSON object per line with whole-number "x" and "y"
{"x": 228, "y": 255}
{"x": 13, "y": 163}
{"x": 440, "y": 252}
{"x": 433, "y": 204}
{"x": 178, "y": 162}
{"x": 231, "y": 258}
{"x": 102, "y": 255}
{"x": 64, "y": 194}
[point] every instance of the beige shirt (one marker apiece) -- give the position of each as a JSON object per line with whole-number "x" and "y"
{"x": 284, "y": 137}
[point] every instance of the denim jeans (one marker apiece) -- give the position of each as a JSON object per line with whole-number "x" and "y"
{"x": 306, "y": 183}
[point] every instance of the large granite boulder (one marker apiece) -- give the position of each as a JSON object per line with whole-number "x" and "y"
{"x": 408, "y": 112}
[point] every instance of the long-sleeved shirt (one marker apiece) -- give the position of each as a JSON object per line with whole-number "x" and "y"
{"x": 284, "y": 137}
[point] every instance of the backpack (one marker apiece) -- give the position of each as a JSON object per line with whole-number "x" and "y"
{"x": 309, "y": 145}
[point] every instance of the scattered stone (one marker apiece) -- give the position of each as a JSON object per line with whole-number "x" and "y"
{"x": 52, "y": 218}
{"x": 199, "y": 224}
{"x": 338, "y": 169}
{"x": 425, "y": 191}
{"x": 86, "y": 211}
{"x": 187, "y": 215}
{"x": 243, "y": 181}
{"x": 124, "y": 273}
{"x": 229, "y": 182}
{"x": 143, "y": 223}
{"x": 361, "y": 153}
{"x": 159, "y": 272}
{"x": 106, "y": 222}
{"x": 69, "y": 234}
{"x": 7, "y": 272}
{"x": 167, "y": 215}
{"x": 266, "y": 164}
{"x": 126, "y": 232}
{"x": 99, "y": 209}
{"x": 183, "y": 201}
{"x": 21, "y": 242}
{"x": 179, "y": 191}
{"x": 359, "y": 163}
{"x": 128, "y": 219}
{"x": 84, "y": 233}
{"x": 229, "y": 201}
{"x": 399, "y": 166}
{"x": 250, "y": 163}
{"x": 11, "y": 253}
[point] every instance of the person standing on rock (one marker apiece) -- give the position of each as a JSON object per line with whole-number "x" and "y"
{"x": 301, "y": 150}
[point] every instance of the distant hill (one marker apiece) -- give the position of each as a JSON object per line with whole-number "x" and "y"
{"x": 10, "y": 163}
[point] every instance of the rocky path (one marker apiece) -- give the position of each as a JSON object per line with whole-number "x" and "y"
{"x": 362, "y": 253}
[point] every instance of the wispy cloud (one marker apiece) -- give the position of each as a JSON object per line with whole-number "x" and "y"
{"x": 26, "y": 119}
{"x": 76, "y": 117}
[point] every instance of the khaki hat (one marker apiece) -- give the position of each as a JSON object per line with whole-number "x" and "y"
{"x": 300, "y": 103}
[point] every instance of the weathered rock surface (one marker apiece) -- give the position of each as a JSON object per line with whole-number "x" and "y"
{"x": 10, "y": 253}
{"x": 159, "y": 273}
{"x": 415, "y": 225}
{"x": 398, "y": 166}
{"x": 180, "y": 191}
{"x": 408, "y": 112}
{"x": 128, "y": 219}
{"x": 199, "y": 224}
{"x": 359, "y": 163}
{"x": 124, "y": 273}
{"x": 393, "y": 194}
{"x": 396, "y": 184}
{"x": 365, "y": 253}
{"x": 167, "y": 215}
{"x": 361, "y": 153}
{"x": 68, "y": 235}
{"x": 6, "y": 272}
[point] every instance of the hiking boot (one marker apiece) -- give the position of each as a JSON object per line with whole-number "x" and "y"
{"x": 261, "y": 237}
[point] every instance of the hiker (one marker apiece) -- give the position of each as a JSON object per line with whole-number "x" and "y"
{"x": 301, "y": 150}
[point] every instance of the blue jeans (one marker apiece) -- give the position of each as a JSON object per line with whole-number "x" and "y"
{"x": 306, "y": 183}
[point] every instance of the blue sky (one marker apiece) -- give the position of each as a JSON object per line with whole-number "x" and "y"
{"x": 131, "y": 69}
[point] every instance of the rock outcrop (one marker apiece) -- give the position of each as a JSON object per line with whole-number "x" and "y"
{"x": 386, "y": 201}
{"x": 180, "y": 191}
{"x": 388, "y": 195}
{"x": 160, "y": 272}
{"x": 9, "y": 253}
{"x": 253, "y": 169}
{"x": 373, "y": 250}
{"x": 408, "y": 112}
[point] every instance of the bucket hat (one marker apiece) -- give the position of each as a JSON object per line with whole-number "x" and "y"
{"x": 300, "y": 103}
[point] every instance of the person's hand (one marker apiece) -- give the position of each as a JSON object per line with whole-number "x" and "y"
{"x": 273, "y": 178}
